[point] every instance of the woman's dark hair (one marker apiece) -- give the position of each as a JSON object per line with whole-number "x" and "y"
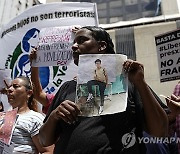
{"x": 99, "y": 34}
{"x": 32, "y": 103}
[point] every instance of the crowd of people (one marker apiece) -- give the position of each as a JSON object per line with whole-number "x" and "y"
{"x": 63, "y": 131}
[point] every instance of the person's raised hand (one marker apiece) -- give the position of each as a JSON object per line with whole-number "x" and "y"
{"x": 135, "y": 71}
{"x": 75, "y": 29}
{"x": 33, "y": 55}
{"x": 4, "y": 90}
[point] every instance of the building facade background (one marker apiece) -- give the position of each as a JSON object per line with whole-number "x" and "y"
{"x": 138, "y": 43}
{"x": 110, "y": 11}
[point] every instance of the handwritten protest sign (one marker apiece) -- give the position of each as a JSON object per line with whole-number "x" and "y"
{"x": 54, "y": 46}
{"x": 5, "y": 77}
{"x": 168, "y": 52}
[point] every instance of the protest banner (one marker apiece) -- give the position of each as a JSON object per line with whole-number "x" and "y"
{"x": 20, "y": 35}
{"x": 168, "y": 53}
{"x": 105, "y": 81}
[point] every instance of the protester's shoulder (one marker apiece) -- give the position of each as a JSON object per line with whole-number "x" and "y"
{"x": 31, "y": 117}
{"x": 65, "y": 86}
{"x": 36, "y": 115}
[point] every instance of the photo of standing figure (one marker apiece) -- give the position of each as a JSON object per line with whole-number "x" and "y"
{"x": 100, "y": 79}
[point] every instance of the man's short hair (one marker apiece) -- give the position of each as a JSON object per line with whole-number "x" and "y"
{"x": 97, "y": 60}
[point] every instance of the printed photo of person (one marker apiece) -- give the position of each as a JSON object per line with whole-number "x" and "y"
{"x": 100, "y": 81}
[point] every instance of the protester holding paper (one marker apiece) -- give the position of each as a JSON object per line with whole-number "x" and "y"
{"x": 42, "y": 97}
{"x": 62, "y": 32}
{"x": 102, "y": 134}
{"x": 25, "y": 135}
